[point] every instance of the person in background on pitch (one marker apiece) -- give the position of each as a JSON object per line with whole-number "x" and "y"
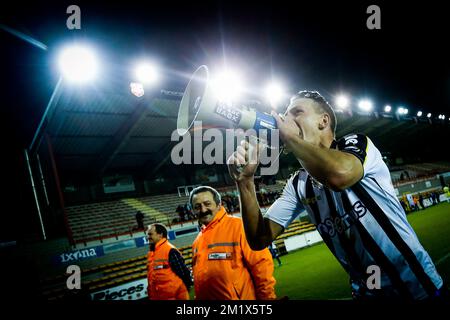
{"x": 224, "y": 266}
{"x": 274, "y": 252}
{"x": 167, "y": 274}
{"x": 347, "y": 192}
{"x": 421, "y": 201}
{"x": 446, "y": 190}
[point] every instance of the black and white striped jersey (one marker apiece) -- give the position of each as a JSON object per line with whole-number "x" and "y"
{"x": 363, "y": 225}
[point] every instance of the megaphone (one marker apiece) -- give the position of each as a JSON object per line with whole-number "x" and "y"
{"x": 201, "y": 103}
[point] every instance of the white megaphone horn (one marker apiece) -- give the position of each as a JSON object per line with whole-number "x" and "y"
{"x": 201, "y": 103}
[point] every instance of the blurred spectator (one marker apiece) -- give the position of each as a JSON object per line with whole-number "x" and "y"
{"x": 412, "y": 206}
{"x": 235, "y": 202}
{"x": 421, "y": 201}
{"x": 263, "y": 193}
{"x": 404, "y": 175}
{"x": 446, "y": 189}
{"x": 405, "y": 207}
{"x": 181, "y": 212}
{"x": 437, "y": 197}
{"x": 140, "y": 220}
{"x": 433, "y": 197}
{"x": 430, "y": 199}
{"x": 228, "y": 203}
{"x": 188, "y": 211}
{"x": 416, "y": 203}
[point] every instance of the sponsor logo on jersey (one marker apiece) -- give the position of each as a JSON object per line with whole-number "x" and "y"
{"x": 340, "y": 224}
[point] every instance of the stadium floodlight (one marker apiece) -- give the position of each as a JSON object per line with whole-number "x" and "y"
{"x": 402, "y": 111}
{"x": 365, "y": 105}
{"x": 274, "y": 93}
{"x": 429, "y": 115}
{"x": 78, "y": 64}
{"x": 146, "y": 73}
{"x": 387, "y": 108}
{"x": 419, "y": 113}
{"x": 227, "y": 85}
{"x": 342, "y": 102}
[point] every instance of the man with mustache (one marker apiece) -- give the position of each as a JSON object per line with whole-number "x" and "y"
{"x": 224, "y": 266}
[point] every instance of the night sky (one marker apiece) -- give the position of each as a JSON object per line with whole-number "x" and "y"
{"x": 308, "y": 44}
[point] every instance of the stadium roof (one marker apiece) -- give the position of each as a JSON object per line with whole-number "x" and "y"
{"x": 96, "y": 131}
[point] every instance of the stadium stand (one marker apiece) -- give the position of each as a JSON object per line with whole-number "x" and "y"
{"x": 417, "y": 172}
{"x": 100, "y": 221}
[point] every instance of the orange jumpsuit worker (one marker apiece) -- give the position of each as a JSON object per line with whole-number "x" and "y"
{"x": 224, "y": 266}
{"x": 167, "y": 275}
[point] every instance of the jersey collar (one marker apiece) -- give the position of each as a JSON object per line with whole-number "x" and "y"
{"x": 333, "y": 144}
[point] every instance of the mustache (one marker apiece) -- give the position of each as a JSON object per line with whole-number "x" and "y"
{"x": 204, "y": 214}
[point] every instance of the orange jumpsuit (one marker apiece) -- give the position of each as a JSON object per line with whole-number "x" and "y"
{"x": 163, "y": 283}
{"x": 224, "y": 265}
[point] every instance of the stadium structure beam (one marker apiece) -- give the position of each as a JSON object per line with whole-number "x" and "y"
{"x": 58, "y": 188}
{"x": 41, "y": 175}
{"x": 33, "y": 187}
{"x": 46, "y": 117}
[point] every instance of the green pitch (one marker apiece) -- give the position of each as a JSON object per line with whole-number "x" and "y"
{"x": 313, "y": 273}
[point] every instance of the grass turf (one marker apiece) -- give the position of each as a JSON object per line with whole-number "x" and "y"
{"x": 313, "y": 273}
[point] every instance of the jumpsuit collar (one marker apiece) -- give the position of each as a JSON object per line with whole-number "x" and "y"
{"x": 219, "y": 216}
{"x": 160, "y": 243}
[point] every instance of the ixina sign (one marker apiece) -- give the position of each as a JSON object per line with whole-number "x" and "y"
{"x": 82, "y": 254}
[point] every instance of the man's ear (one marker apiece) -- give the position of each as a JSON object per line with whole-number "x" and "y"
{"x": 324, "y": 121}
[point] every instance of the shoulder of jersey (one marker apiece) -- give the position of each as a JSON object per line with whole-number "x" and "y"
{"x": 299, "y": 171}
{"x": 296, "y": 173}
{"x": 358, "y": 134}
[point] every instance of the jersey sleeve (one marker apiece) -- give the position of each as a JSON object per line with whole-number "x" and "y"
{"x": 361, "y": 147}
{"x": 287, "y": 207}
